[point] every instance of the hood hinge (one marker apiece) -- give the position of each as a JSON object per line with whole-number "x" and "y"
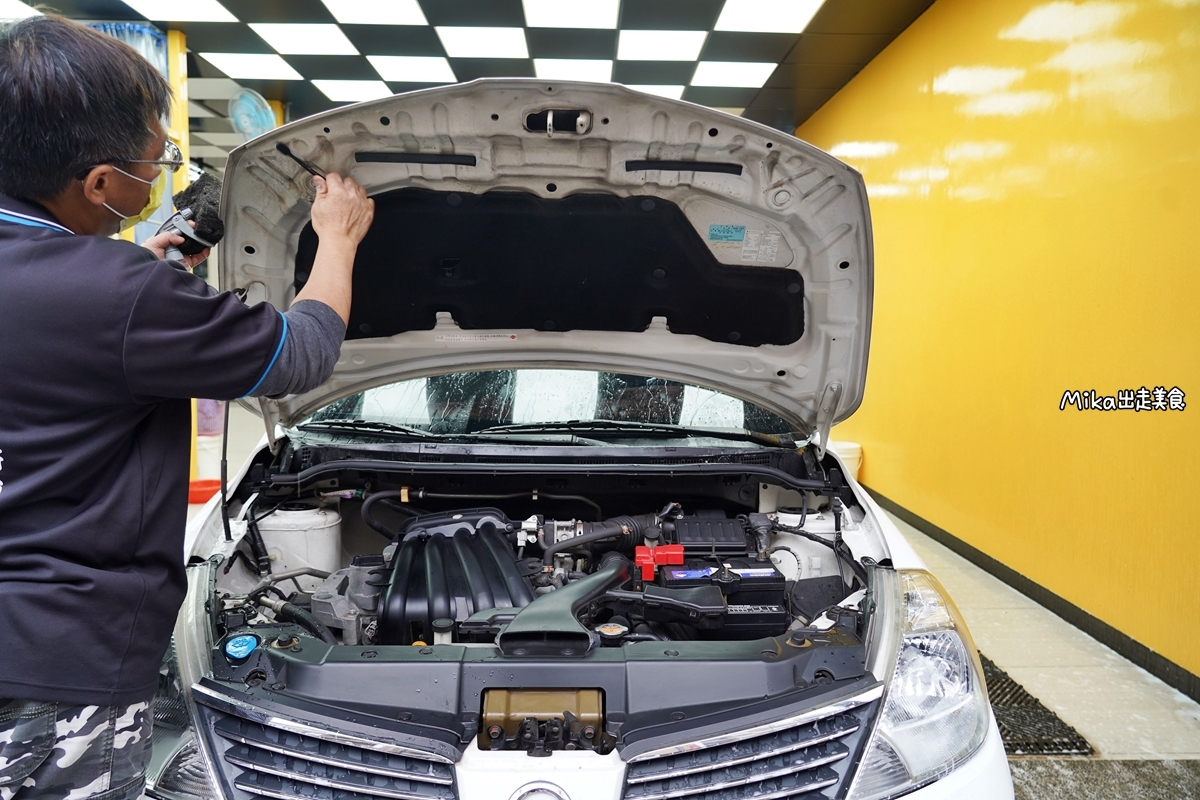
{"x": 270, "y": 416}
{"x": 826, "y": 411}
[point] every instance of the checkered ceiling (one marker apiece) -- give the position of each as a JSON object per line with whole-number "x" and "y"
{"x": 775, "y": 60}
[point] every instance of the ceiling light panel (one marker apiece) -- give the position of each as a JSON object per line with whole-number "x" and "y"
{"x": 353, "y": 91}
{"x": 376, "y": 12}
{"x": 573, "y": 69}
{"x": 208, "y": 152}
{"x": 559, "y": 14}
{"x": 660, "y": 45}
{"x": 219, "y": 139}
{"x": 174, "y": 11}
{"x": 673, "y": 92}
{"x": 299, "y": 39}
{"x": 413, "y": 69}
{"x": 253, "y": 66}
{"x": 734, "y": 74}
{"x": 767, "y": 16}
{"x": 483, "y": 42}
{"x": 199, "y": 110}
{"x": 11, "y": 9}
{"x": 212, "y": 88}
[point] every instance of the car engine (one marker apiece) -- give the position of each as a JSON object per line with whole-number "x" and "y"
{"x": 358, "y": 567}
{"x": 537, "y": 599}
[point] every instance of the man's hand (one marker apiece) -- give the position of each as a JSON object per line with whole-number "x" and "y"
{"x": 341, "y": 209}
{"x": 341, "y": 215}
{"x": 159, "y": 243}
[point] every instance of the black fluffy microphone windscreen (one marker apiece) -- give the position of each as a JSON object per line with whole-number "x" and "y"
{"x": 203, "y": 197}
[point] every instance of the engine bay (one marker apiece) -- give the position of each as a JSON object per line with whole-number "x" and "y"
{"x": 401, "y": 564}
{"x": 592, "y": 584}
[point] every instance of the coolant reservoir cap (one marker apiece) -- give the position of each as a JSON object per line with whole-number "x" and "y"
{"x": 240, "y": 647}
{"x": 611, "y": 630}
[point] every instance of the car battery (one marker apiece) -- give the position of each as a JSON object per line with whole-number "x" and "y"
{"x": 753, "y": 621}
{"x": 709, "y": 536}
{"x": 755, "y": 593}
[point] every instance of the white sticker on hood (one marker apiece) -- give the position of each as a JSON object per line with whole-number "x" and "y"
{"x": 475, "y": 337}
{"x": 761, "y": 246}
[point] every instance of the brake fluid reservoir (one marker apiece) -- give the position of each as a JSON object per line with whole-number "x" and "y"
{"x": 303, "y": 536}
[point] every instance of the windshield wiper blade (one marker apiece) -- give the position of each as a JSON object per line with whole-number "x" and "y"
{"x": 388, "y": 429}
{"x": 602, "y": 427}
{"x": 391, "y": 430}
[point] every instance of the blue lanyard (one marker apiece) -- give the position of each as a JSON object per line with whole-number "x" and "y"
{"x": 32, "y": 222}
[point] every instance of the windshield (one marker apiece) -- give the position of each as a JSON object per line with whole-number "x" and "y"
{"x": 469, "y": 402}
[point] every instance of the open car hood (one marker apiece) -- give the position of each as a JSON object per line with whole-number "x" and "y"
{"x": 523, "y": 223}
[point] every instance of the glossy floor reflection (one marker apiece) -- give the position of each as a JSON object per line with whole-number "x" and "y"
{"x": 1146, "y": 734}
{"x": 1124, "y": 711}
{"x": 1090, "y": 779}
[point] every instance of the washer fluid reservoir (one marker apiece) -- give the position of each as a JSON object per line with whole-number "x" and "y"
{"x": 303, "y": 536}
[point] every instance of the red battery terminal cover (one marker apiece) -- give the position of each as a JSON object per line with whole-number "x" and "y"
{"x": 649, "y": 558}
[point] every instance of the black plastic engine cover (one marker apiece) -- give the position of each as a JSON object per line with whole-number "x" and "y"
{"x": 449, "y": 572}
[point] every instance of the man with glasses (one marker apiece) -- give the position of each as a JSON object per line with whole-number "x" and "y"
{"x": 102, "y": 343}
{"x": 172, "y": 159}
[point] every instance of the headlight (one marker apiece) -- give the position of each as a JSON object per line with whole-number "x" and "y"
{"x": 178, "y": 768}
{"x": 935, "y": 714}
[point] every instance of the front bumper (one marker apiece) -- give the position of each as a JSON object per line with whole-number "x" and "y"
{"x": 585, "y": 776}
{"x": 984, "y": 776}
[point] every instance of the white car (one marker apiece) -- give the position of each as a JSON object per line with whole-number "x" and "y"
{"x": 563, "y": 524}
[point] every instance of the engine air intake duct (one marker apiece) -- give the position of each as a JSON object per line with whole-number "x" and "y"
{"x": 450, "y": 569}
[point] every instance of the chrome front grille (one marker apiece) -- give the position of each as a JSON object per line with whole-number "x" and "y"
{"x": 793, "y": 759}
{"x": 273, "y": 762}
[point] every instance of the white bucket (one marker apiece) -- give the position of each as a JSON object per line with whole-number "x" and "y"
{"x": 208, "y": 457}
{"x": 851, "y": 455}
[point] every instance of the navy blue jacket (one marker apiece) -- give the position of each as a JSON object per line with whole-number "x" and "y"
{"x": 101, "y": 345}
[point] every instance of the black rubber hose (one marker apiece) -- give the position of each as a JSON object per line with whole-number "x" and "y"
{"x": 610, "y": 528}
{"x": 373, "y": 523}
{"x": 402, "y": 508}
{"x": 840, "y": 551}
{"x": 421, "y": 493}
{"x": 855, "y": 568}
{"x": 602, "y": 531}
{"x": 233, "y": 559}
{"x": 304, "y": 619}
{"x": 760, "y": 524}
{"x": 257, "y": 546}
{"x": 289, "y": 612}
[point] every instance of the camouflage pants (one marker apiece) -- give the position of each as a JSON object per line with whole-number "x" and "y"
{"x": 55, "y": 751}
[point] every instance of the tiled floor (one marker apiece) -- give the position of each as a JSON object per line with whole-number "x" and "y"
{"x": 1100, "y": 779}
{"x": 1124, "y": 711}
{"x": 1145, "y": 733}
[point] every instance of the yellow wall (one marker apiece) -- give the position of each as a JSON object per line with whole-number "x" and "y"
{"x": 1034, "y": 174}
